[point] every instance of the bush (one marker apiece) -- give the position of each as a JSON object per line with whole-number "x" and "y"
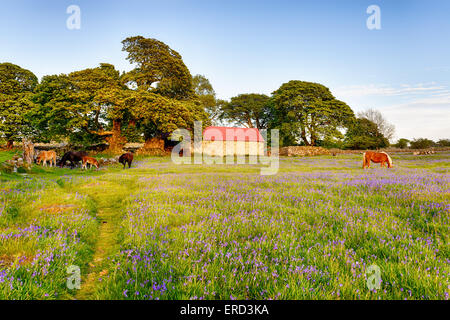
{"x": 422, "y": 143}
{"x": 444, "y": 143}
{"x": 402, "y": 143}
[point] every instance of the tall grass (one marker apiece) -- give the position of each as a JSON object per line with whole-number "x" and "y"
{"x": 225, "y": 232}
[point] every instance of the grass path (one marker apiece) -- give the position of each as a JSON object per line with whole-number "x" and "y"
{"x": 109, "y": 196}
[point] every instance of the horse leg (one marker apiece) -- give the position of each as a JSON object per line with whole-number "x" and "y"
{"x": 129, "y": 164}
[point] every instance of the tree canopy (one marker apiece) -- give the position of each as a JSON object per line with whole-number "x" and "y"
{"x": 249, "y": 110}
{"x": 385, "y": 128}
{"x": 207, "y": 96}
{"x": 421, "y": 143}
{"x": 402, "y": 143}
{"x": 364, "y": 134}
{"x": 159, "y": 68}
{"x": 79, "y": 104}
{"x": 307, "y": 112}
{"x": 16, "y": 89}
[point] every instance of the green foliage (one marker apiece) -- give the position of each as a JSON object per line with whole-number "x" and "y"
{"x": 308, "y": 112}
{"x": 402, "y": 143}
{"x": 132, "y": 133}
{"x": 77, "y": 106}
{"x": 250, "y": 110}
{"x": 16, "y": 88}
{"x": 444, "y": 143}
{"x": 422, "y": 143}
{"x": 363, "y": 134}
{"x": 205, "y": 93}
{"x": 12, "y": 212}
{"x": 160, "y": 69}
{"x": 159, "y": 116}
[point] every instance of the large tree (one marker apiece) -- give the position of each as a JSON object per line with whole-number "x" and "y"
{"x": 80, "y": 105}
{"x": 249, "y": 110}
{"x": 384, "y": 127}
{"x": 402, "y": 143}
{"x": 307, "y": 112}
{"x": 164, "y": 98}
{"x": 364, "y": 134}
{"x": 159, "y": 68}
{"x": 16, "y": 88}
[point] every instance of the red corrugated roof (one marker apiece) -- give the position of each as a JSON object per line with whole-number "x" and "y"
{"x": 232, "y": 134}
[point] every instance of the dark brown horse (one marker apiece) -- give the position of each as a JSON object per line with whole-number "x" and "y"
{"x": 377, "y": 157}
{"x": 73, "y": 156}
{"x": 126, "y": 158}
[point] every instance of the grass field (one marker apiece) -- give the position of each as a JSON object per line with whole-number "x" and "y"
{"x": 165, "y": 231}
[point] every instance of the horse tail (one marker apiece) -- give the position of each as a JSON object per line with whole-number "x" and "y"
{"x": 364, "y": 160}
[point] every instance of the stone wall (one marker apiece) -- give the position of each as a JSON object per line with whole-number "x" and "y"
{"x": 300, "y": 151}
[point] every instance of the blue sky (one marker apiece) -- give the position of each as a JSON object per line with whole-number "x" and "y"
{"x": 246, "y": 46}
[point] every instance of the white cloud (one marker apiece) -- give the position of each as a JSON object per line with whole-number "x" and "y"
{"x": 419, "y": 110}
{"x": 389, "y": 91}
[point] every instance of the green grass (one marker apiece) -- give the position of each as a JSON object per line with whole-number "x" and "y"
{"x": 165, "y": 231}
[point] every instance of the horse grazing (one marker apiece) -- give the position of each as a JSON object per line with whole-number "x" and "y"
{"x": 377, "y": 157}
{"x": 72, "y": 156}
{"x": 89, "y": 160}
{"x": 45, "y": 156}
{"x": 126, "y": 158}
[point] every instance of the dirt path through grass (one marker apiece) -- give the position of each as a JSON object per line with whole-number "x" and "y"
{"x": 108, "y": 195}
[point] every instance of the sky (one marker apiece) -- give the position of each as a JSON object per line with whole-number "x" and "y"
{"x": 401, "y": 69}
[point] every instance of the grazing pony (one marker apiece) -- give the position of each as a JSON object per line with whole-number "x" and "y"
{"x": 45, "y": 156}
{"x": 377, "y": 157}
{"x": 90, "y": 160}
{"x": 126, "y": 158}
{"x": 74, "y": 157}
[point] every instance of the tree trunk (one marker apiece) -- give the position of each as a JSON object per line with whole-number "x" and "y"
{"x": 9, "y": 144}
{"x": 116, "y": 141}
{"x": 28, "y": 152}
{"x": 249, "y": 122}
{"x": 303, "y": 135}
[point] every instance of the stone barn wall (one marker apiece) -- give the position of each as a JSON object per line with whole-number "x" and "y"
{"x": 214, "y": 148}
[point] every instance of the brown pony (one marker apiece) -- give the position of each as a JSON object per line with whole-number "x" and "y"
{"x": 126, "y": 158}
{"x": 92, "y": 162}
{"x": 45, "y": 156}
{"x": 377, "y": 157}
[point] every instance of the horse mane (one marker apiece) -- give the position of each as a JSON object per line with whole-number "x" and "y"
{"x": 389, "y": 158}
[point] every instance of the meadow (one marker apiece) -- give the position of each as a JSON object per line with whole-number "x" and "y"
{"x": 166, "y": 231}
